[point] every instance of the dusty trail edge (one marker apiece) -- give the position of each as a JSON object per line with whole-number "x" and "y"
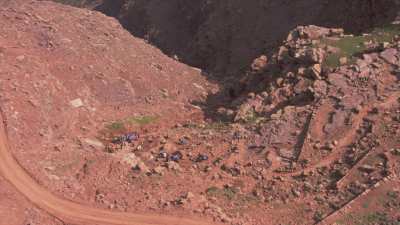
{"x": 68, "y": 211}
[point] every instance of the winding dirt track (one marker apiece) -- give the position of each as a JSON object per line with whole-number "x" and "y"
{"x": 68, "y": 211}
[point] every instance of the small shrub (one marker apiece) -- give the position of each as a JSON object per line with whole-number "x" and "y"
{"x": 212, "y": 191}
{"x": 141, "y": 120}
{"x": 351, "y": 46}
{"x": 116, "y": 126}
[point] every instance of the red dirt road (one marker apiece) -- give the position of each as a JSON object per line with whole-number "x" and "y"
{"x": 69, "y": 211}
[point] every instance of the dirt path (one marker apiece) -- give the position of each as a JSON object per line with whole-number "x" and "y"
{"x": 68, "y": 211}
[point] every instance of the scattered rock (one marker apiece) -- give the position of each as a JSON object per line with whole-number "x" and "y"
{"x": 163, "y": 155}
{"x": 159, "y": 170}
{"x": 315, "y": 32}
{"x": 189, "y": 195}
{"x": 385, "y": 44}
{"x": 135, "y": 162}
{"x": 173, "y": 166}
{"x": 76, "y": 103}
{"x": 259, "y": 64}
{"x": 94, "y": 143}
{"x": 395, "y": 151}
{"x": 183, "y": 141}
{"x": 316, "y": 71}
{"x": 343, "y": 61}
{"x": 296, "y": 193}
{"x": 389, "y": 55}
{"x": 367, "y": 168}
{"x": 20, "y": 58}
{"x": 243, "y": 113}
{"x": 218, "y": 212}
{"x": 280, "y": 81}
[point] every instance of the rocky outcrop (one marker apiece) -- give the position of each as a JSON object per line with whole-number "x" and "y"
{"x": 304, "y": 67}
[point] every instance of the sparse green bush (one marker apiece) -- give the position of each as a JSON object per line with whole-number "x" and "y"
{"x": 351, "y": 46}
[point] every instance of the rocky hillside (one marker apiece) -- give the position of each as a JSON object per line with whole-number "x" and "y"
{"x": 67, "y": 74}
{"x": 309, "y": 134}
{"x": 326, "y": 105}
{"x": 224, "y": 36}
